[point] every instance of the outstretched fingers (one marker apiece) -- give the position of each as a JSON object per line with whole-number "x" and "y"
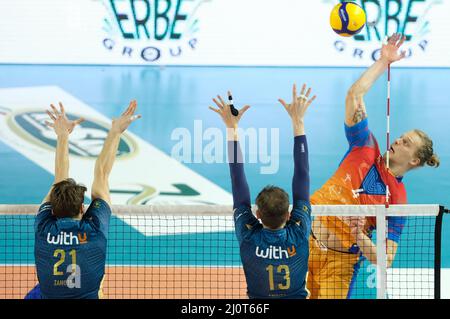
{"x": 218, "y": 104}
{"x": 61, "y": 108}
{"x": 215, "y": 110}
{"x": 310, "y": 100}
{"x": 302, "y": 92}
{"x": 221, "y": 101}
{"x": 49, "y": 124}
{"x": 79, "y": 121}
{"x": 133, "y": 108}
{"x": 294, "y": 92}
{"x": 308, "y": 92}
{"x": 55, "y": 111}
{"x": 393, "y": 39}
{"x": 282, "y": 102}
{"x": 130, "y": 108}
{"x": 51, "y": 115}
{"x": 402, "y": 40}
{"x": 135, "y": 117}
{"x": 243, "y": 110}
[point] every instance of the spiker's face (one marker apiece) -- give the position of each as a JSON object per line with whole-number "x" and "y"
{"x": 404, "y": 150}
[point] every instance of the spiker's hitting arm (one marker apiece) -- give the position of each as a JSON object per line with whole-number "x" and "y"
{"x": 355, "y": 108}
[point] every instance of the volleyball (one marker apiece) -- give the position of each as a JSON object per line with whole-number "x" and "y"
{"x": 347, "y": 19}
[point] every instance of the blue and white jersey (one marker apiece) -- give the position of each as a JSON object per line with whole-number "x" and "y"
{"x": 275, "y": 261}
{"x": 70, "y": 254}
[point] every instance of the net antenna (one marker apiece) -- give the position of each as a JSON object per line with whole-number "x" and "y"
{"x": 381, "y": 219}
{"x": 388, "y": 114}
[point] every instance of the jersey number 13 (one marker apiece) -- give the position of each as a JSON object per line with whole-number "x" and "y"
{"x": 281, "y": 269}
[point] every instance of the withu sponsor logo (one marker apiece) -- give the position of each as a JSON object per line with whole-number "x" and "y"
{"x": 273, "y": 252}
{"x": 66, "y": 239}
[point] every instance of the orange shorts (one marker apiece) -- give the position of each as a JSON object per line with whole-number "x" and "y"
{"x": 330, "y": 272}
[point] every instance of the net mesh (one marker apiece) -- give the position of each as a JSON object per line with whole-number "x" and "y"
{"x": 337, "y": 272}
{"x": 186, "y": 253}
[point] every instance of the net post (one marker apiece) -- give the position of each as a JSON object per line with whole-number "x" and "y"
{"x": 381, "y": 253}
{"x": 437, "y": 251}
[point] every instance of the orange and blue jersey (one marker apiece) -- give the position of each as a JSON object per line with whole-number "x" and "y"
{"x": 275, "y": 262}
{"x": 361, "y": 179}
{"x": 70, "y": 254}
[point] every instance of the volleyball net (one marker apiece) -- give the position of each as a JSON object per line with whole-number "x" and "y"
{"x": 189, "y": 252}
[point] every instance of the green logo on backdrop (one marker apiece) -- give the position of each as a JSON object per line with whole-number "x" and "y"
{"x": 85, "y": 141}
{"x": 151, "y": 29}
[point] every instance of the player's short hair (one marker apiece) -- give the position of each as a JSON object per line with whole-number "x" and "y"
{"x": 273, "y": 206}
{"x": 67, "y": 198}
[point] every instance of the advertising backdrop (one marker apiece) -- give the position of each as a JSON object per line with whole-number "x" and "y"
{"x": 216, "y": 32}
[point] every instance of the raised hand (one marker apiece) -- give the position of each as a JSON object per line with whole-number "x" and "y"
{"x": 61, "y": 124}
{"x": 389, "y": 50}
{"x": 297, "y": 108}
{"x": 120, "y": 124}
{"x": 224, "y": 110}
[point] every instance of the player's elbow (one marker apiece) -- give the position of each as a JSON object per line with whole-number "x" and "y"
{"x": 100, "y": 186}
{"x": 100, "y": 193}
{"x": 356, "y": 92}
{"x": 389, "y": 260}
{"x": 100, "y": 172}
{"x": 388, "y": 264}
{"x": 373, "y": 259}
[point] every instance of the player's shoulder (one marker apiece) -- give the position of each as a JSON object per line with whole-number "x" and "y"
{"x": 302, "y": 206}
{"x": 45, "y": 207}
{"x": 44, "y": 217}
{"x": 400, "y": 188}
{"x": 97, "y": 206}
{"x": 246, "y": 222}
{"x": 99, "y": 203}
{"x": 357, "y": 127}
{"x": 301, "y": 212}
{"x": 360, "y": 136}
{"x": 300, "y": 216}
{"x": 357, "y": 130}
{"x": 243, "y": 210}
{"x": 98, "y": 215}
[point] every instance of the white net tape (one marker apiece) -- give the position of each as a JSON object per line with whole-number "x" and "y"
{"x": 217, "y": 210}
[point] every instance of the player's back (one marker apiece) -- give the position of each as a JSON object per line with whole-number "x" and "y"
{"x": 70, "y": 254}
{"x": 275, "y": 262}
